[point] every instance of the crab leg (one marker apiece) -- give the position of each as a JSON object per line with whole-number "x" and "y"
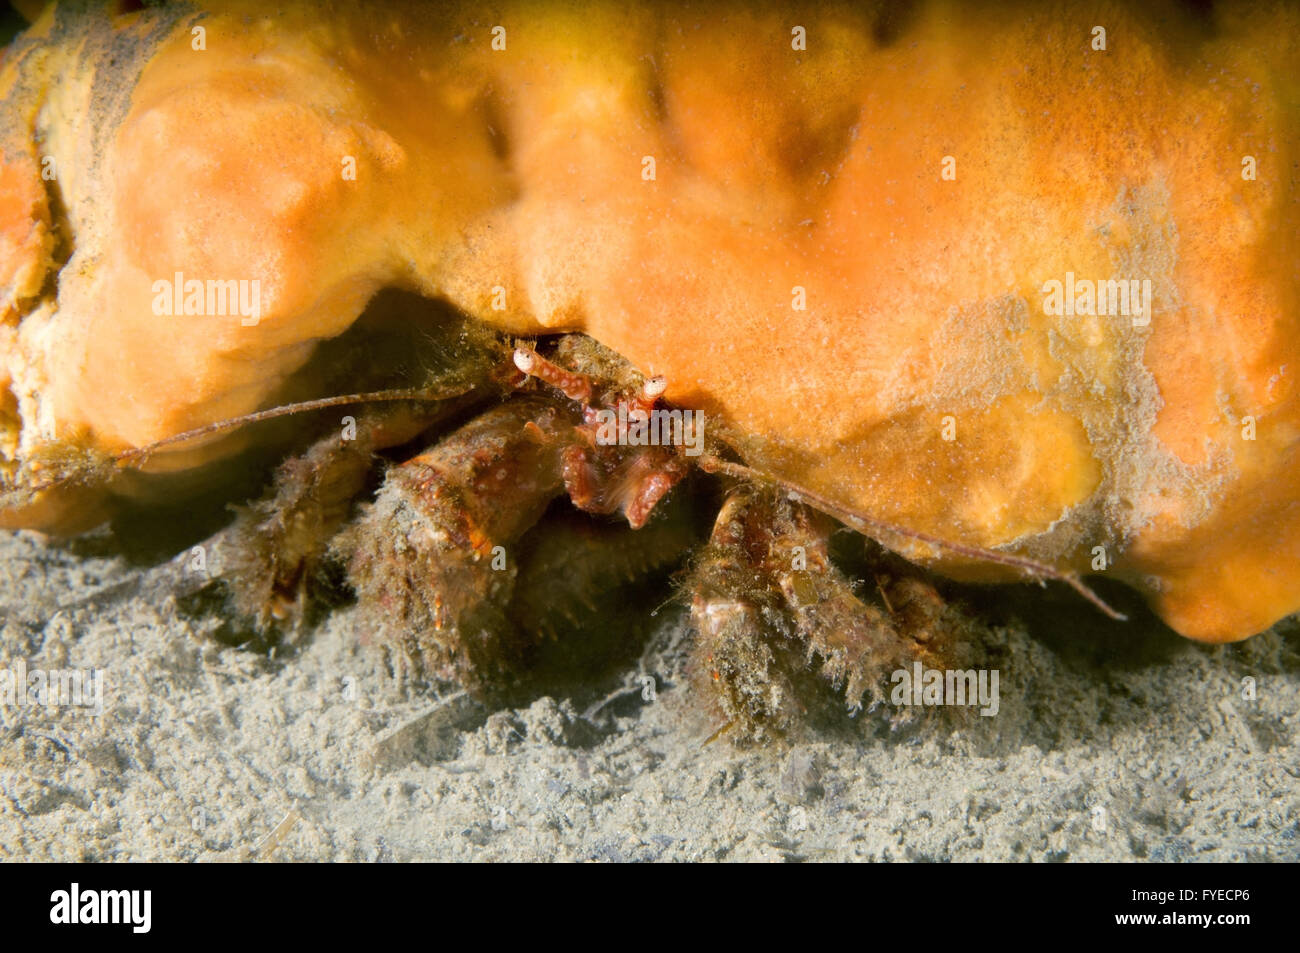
{"x": 432, "y": 558}
{"x": 268, "y": 556}
{"x": 768, "y": 602}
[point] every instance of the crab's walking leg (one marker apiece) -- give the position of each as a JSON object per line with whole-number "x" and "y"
{"x": 267, "y": 557}
{"x": 741, "y": 629}
{"x": 859, "y": 644}
{"x": 770, "y": 604}
{"x": 431, "y": 559}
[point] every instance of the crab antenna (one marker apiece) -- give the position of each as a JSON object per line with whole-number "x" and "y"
{"x": 871, "y": 526}
{"x": 138, "y": 454}
{"x": 285, "y": 410}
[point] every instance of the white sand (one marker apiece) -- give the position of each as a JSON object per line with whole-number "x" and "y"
{"x": 202, "y": 751}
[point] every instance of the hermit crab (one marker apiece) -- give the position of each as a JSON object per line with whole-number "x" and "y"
{"x": 1015, "y": 296}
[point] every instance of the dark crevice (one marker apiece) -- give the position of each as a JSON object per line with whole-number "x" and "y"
{"x": 893, "y": 20}
{"x": 60, "y": 229}
{"x": 658, "y": 95}
{"x": 497, "y": 124}
{"x": 1199, "y": 11}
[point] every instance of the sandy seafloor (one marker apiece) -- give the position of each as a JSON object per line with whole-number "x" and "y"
{"x": 203, "y": 751}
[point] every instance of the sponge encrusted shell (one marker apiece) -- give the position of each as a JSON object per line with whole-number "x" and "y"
{"x": 924, "y": 381}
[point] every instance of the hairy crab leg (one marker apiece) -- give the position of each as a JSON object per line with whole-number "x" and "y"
{"x": 432, "y": 558}
{"x": 267, "y": 558}
{"x": 770, "y": 605}
{"x": 874, "y": 528}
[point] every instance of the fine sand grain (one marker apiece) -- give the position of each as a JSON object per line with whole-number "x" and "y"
{"x": 1111, "y": 743}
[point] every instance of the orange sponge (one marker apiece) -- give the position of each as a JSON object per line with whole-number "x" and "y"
{"x": 1028, "y": 281}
